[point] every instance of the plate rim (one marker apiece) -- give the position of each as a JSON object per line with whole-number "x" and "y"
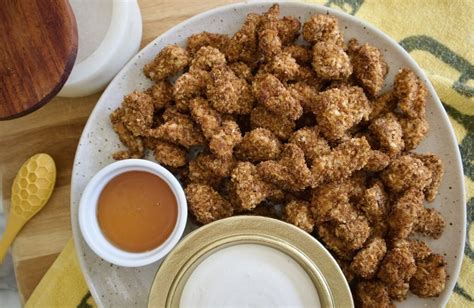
{"x": 335, "y": 12}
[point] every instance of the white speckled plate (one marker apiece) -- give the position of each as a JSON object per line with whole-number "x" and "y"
{"x": 113, "y": 286}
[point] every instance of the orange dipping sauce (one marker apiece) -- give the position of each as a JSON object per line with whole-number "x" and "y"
{"x": 137, "y": 211}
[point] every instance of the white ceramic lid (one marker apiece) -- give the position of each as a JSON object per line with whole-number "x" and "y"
{"x": 110, "y": 33}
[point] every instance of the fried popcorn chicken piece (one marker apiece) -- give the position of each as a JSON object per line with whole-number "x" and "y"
{"x": 257, "y": 145}
{"x": 367, "y": 260}
{"x": 375, "y": 204}
{"x": 430, "y": 223}
{"x": 406, "y": 171}
{"x": 243, "y": 44}
{"x": 247, "y": 188}
{"x": 170, "y": 60}
{"x": 134, "y": 144}
{"x": 322, "y": 28}
{"x": 169, "y": 154}
{"x": 281, "y": 126}
{"x": 207, "y": 117}
{"x": 377, "y": 162}
{"x": 404, "y": 213}
{"x": 330, "y": 61}
{"x": 305, "y": 94}
{"x": 300, "y": 53}
{"x": 179, "y": 130}
{"x": 288, "y": 29}
{"x": 418, "y": 248}
{"x": 206, "y": 58}
{"x": 411, "y": 94}
{"x": 297, "y": 212}
{"x": 290, "y": 172}
{"x": 269, "y": 41}
{"x": 430, "y": 277}
{"x": 312, "y": 144}
{"x": 162, "y": 94}
{"x": 398, "y": 265}
{"x": 382, "y": 104}
{"x": 271, "y": 93}
{"x": 326, "y": 233}
{"x": 137, "y": 113}
{"x": 308, "y": 76}
{"x": 434, "y": 164}
{"x": 206, "y": 204}
{"x": 414, "y": 130}
{"x": 227, "y": 93}
{"x": 330, "y": 203}
{"x": 369, "y": 66}
{"x": 398, "y": 290}
{"x": 196, "y": 41}
{"x": 188, "y": 86}
{"x": 223, "y": 142}
{"x": 338, "y": 110}
{"x": 388, "y": 132}
{"x": 242, "y": 71}
{"x": 284, "y": 67}
{"x": 346, "y": 158}
{"x": 371, "y": 294}
{"x": 209, "y": 169}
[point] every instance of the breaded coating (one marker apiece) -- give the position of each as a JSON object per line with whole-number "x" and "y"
{"x": 414, "y": 131}
{"x": 169, "y": 154}
{"x": 269, "y": 43}
{"x": 228, "y": 93}
{"x": 297, "y": 213}
{"x": 198, "y": 40}
{"x": 243, "y": 44}
{"x": 308, "y": 76}
{"x": 288, "y": 29}
{"x": 430, "y": 277}
{"x": 406, "y": 171}
{"x": 330, "y": 61}
{"x": 430, "y": 223}
{"x": 382, "y": 104}
{"x": 257, "y": 145}
{"x": 179, "y": 130}
{"x": 398, "y": 290}
{"x": 330, "y": 203}
{"x": 375, "y": 204}
{"x": 434, "y": 164}
{"x": 368, "y": 65}
{"x": 411, "y": 93}
{"x": 404, "y": 214}
{"x": 134, "y": 144}
{"x": 388, "y": 132}
{"x": 418, "y": 248}
{"x": 242, "y": 71}
{"x": 326, "y": 233}
{"x": 284, "y": 67}
{"x": 398, "y": 265}
{"x": 305, "y": 94}
{"x": 171, "y": 60}
{"x": 338, "y": 110}
{"x": 209, "y": 169}
{"x": 372, "y": 294}
{"x": 162, "y": 94}
{"x": 247, "y": 188}
{"x": 312, "y": 144}
{"x": 343, "y": 160}
{"x": 290, "y": 172}
{"x": 227, "y": 137}
{"x": 137, "y": 113}
{"x": 188, "y": 86}
{"x": 206, "y": 204}
{"x": 207, "y": 117}
{"x": 322, "y": 28}
{"x": 377, "y": 162}
{"x": 281, "y": 126}
{"x": 206, "y": 58}
{"x": 271, "y": 93}
{"x": 367, "y": 260}
{"x": 301, "y": 54}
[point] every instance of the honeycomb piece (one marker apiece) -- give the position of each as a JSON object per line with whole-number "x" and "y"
{"x": 33, "y": 185}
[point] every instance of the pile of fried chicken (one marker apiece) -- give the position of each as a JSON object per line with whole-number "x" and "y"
{"x": 257, "y": 124}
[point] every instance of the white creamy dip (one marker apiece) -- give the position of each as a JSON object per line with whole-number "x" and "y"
{"x": 249, "y": 275}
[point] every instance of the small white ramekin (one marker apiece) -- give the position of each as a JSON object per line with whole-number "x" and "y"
{"x": 89, "y": 224}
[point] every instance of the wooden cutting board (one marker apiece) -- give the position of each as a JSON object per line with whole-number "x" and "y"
{"x": 55, "y": 129}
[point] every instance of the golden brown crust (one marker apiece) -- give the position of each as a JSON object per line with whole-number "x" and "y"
{"x": 430, "y": 223}
{"x": 404, "y": 213}
{"x": 405, "y": 172}
{"x": 414, "y": 130}
{"x": 388, "y": 133}
{"x": 171, "y": 60}
{"x": 257, "y": 145}
{"x": 206, "y": 58}
{"x": 297, "y": 213}
{"x": 330, "y": 61}
{"x": 397, "y": 266}
{"x": 430, "y": 277}
{"x": 312, "y": 144}
{"x": 169, "y": 154}
{"x": 410, "y": 93}
{"x": 206, "y": 204}
{"x": 322, "y": 28}
{"x": 434, "y": 164}
{"x": 282, "y": 127}
{"x": 372, "y": 294}
{"x": 198, "y": 40}
{"x": 222, "y": 143}
{"x": 367, "y": 260}
{"x": 209, "y": 169}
